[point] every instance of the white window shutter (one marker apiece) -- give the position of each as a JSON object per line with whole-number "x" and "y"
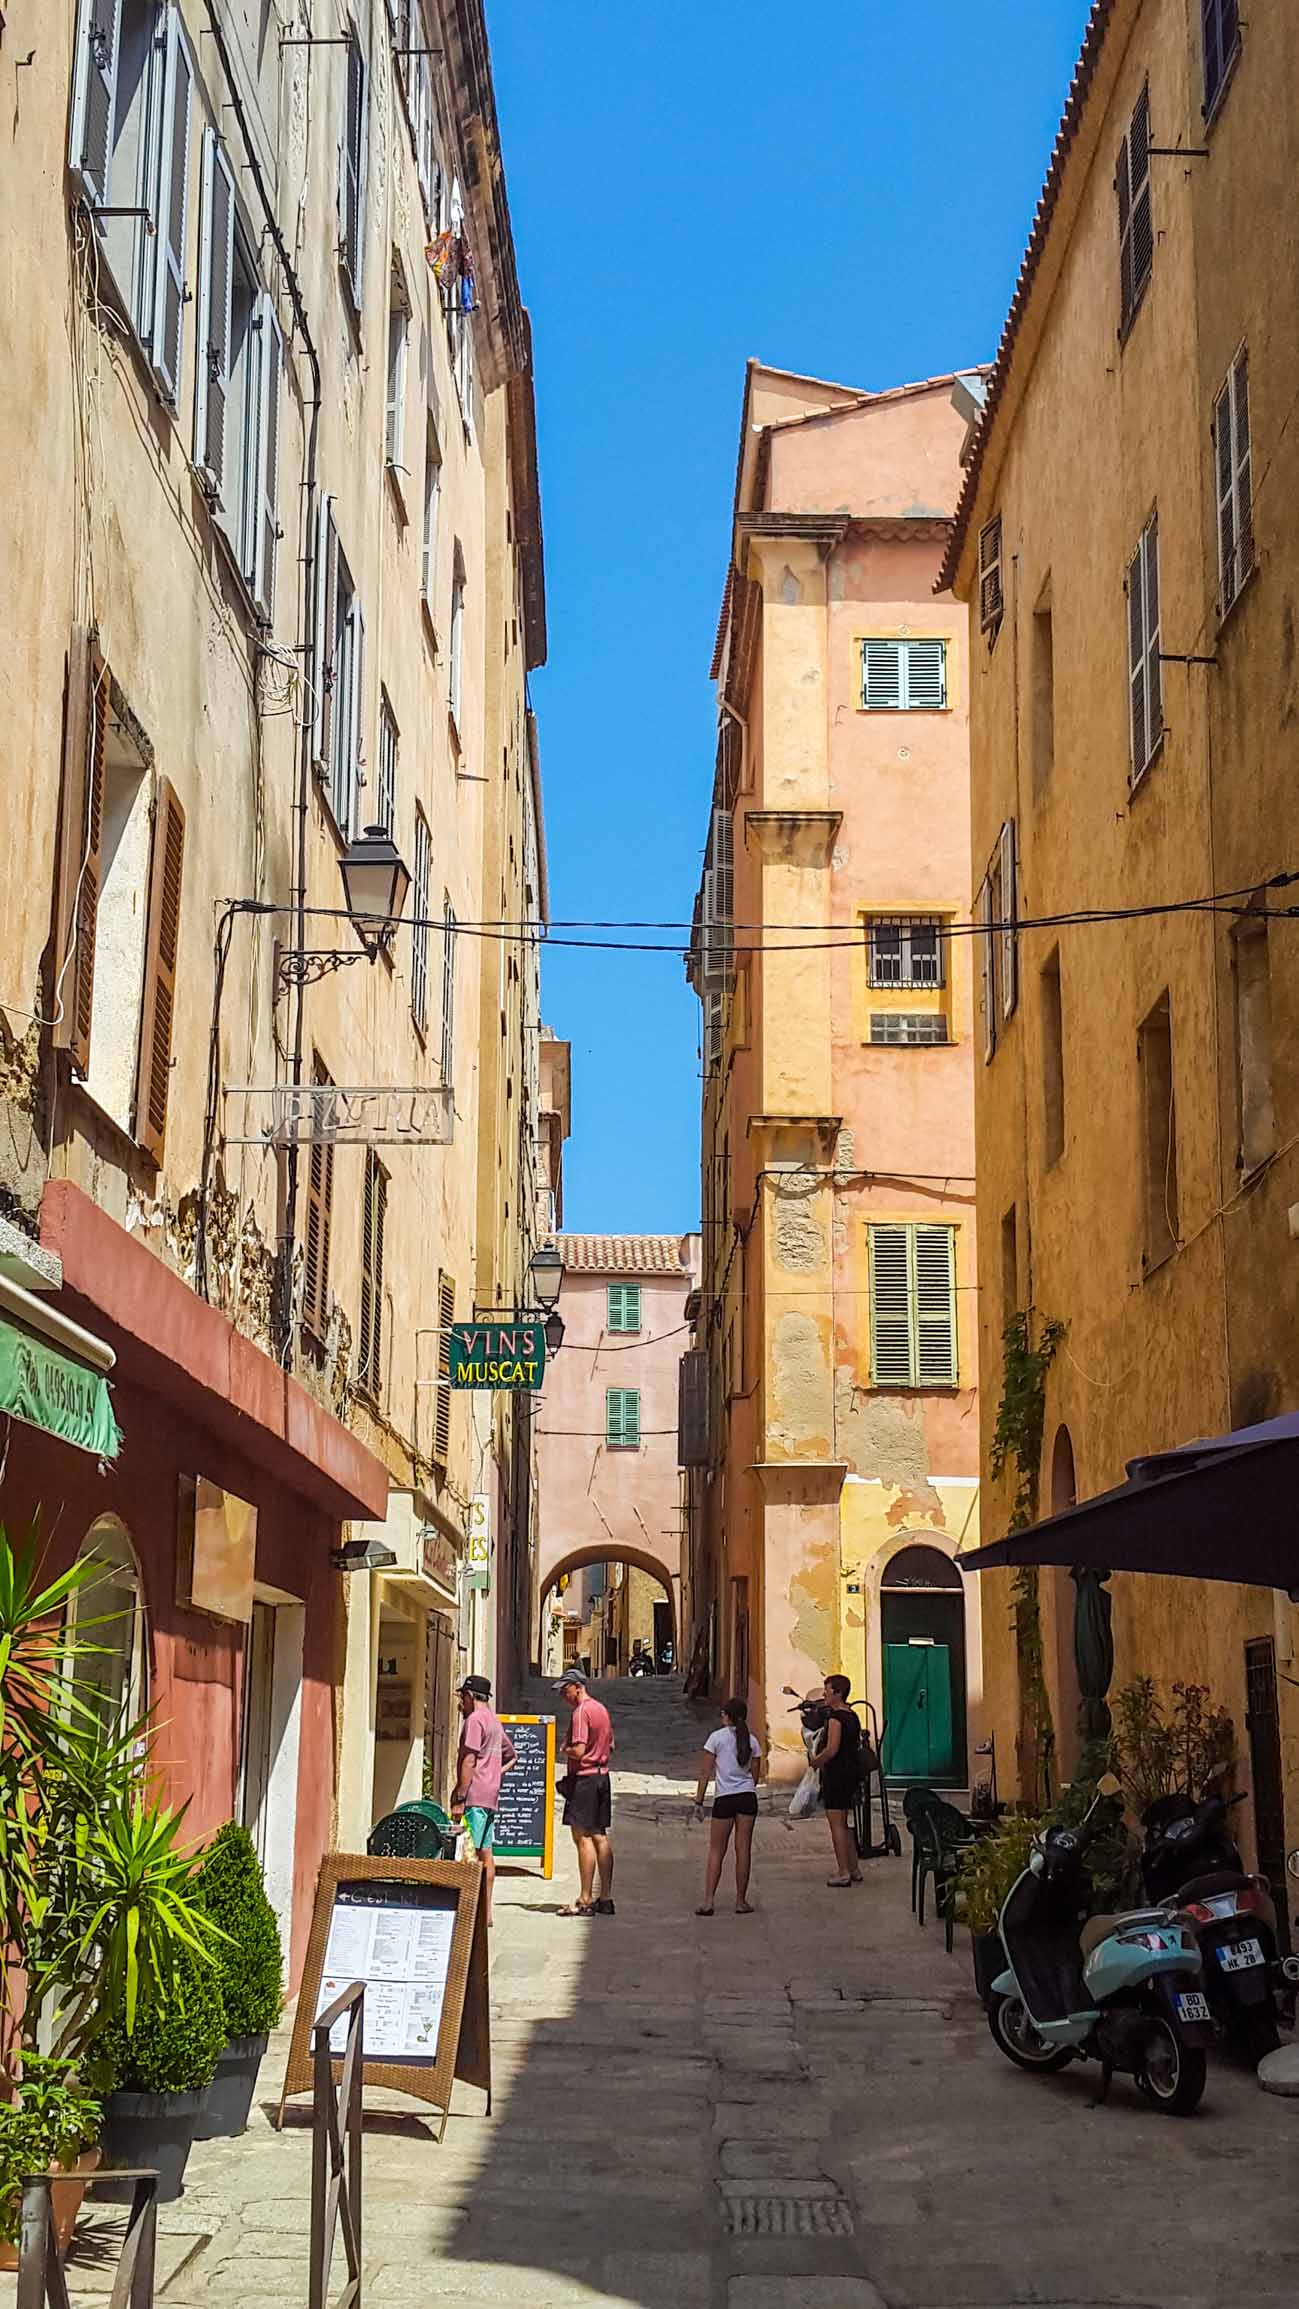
{"x": 355, "y": 748}
{"x": 212, "y": 384}
{"x": 1154, "y": 671}
{"x": 1137, "y": 660}
{"x": 935, "y": 1305}
{"x": 99, "y": 34}
{"x": 891, "y": 1364}
{"x": 1225, "y": 466}
{"x": 326, "y": 586}
{"x": 926, "y": 675}
{"x": 1009, "y": 940}
{"x": 171, "y": 210}
{"x": 881, "y": 675}
{"x": 266, "y": 523}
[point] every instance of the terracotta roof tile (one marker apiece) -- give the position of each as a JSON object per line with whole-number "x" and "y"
{"x": 625, "y": 1254}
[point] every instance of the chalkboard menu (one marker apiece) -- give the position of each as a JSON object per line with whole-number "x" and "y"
{"x": 525, "y": 1808}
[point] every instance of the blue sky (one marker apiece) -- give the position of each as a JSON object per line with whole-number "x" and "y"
{"x": 844, "y": 190}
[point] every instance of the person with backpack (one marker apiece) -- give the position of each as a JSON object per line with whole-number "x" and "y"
{"x": 730, "y": 1756}
{"x": 838, "y": 1759}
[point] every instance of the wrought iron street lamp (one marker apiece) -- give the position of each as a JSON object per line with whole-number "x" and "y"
{"x": 546, "y": 1275}
{"x": 376, "y": 882}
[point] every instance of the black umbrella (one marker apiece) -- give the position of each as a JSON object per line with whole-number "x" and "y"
{"x": 1093, "y": 1650}
{"x": 1223, "y": 1508}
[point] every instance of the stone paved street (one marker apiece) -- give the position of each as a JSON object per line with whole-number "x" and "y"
{"x": 802, "y": 2106}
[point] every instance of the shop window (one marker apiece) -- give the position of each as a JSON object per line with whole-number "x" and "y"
{"x": 106, "y": 1617}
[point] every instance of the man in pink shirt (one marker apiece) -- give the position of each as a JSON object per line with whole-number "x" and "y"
{"x": 588, "y": 1809}
{"x": 486, "y": 1754}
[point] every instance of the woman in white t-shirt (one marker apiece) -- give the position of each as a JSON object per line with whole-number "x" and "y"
{"x": 730, "y": 1756}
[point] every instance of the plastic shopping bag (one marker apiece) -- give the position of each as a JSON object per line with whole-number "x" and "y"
{"x": 805, "y": 1796}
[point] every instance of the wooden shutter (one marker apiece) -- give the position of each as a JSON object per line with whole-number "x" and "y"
{"x": 622, "y": 1417}
{"x": 933, "y": 1251}
{"x": 925, "y": 675}
{"x": 172, "y": 210}
{"x": 448, "y": 992}
{"x": 890, "y": 1307}
{"x": 1009, "y": 937}
{"x": 881, "y": 675}
{"x": 1144, "y": 671}
{"x": 1154, "y": 671}
{"x": 99, "y": 36}
{"x": 216, "y": 277}
{"x": 320, "y": 1219}
{"x": 692, "y": 1409}
{"x": 352, "y": 187}
{"x": 419, "y": 927}
{"x": 442, "y": 1415}
{"x": 1136, "y": 223}
{"x": 991, "y": 598}
{"x": 264, "y": 511}
{"x": 987, "y": 970}
{"x": 162, "y": 946}
{"x": 373, "y": 1222}
{"x": 81, "y": 834}
{"x": 326, "y": 668}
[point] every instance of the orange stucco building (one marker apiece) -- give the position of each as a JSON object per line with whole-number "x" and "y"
{"x": 840, "y": 1472}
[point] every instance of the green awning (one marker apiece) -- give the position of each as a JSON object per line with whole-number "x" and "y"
{"x": 50, "y": 1391}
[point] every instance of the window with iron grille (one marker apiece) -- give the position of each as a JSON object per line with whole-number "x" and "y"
{"x": 905, "y": 950}
{"x": 420, "y": 928}
{"x": 1232, "y": 463}
{"x": 909, "y": 1026}
{"x": 624, "y": 1306}
{"x": 442, "y": 1413}
{"x": 1136, "y": 221}
{"x": 904, "y": 676}
{"x": 913, "y": 1306}
{"x": 992, "y": 599}
{"x": 622, "y": 1418}
{"x": 386, "y": 797}
{"x": 1221, "y": 25}
{"x": 1144, "y": 674}
{"x": 374, "y": 1212}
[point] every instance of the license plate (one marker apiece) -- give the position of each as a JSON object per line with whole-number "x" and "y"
{"x": 1242, "y": 1957}
{"x": 1192, "y": 2006}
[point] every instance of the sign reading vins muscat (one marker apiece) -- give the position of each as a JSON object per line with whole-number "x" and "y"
{"x": 509, "y": 1356}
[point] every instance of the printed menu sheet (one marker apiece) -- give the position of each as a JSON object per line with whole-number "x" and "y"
{"x": 402, "y": 1953}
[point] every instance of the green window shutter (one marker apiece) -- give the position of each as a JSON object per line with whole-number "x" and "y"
{"x": 890, "y": 1308}
{"x": 934, "y": 1260}
{"x": 624, "y": 1307}
{"x": 621, "y": 1416}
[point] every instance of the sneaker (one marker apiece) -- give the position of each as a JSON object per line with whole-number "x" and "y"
{"x": 605, "y": 1908}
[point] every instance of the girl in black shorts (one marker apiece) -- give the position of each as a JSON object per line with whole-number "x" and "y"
{"x": 838, "y": 1760}
{"x": 730, "y": 1754}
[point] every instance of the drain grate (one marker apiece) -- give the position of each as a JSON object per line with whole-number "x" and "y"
{"x": 789, "y": 2217}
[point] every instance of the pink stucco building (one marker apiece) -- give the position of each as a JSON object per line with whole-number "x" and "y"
{"x": 607, "y": 1423}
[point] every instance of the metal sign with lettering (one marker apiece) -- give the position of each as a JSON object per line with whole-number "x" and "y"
{"x": 331, "y": 1114}
{"x": 48, "y": 1390}
{"x": 505, "y": 1357}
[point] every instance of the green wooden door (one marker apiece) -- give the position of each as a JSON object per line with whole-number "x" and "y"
{"x": 918, "y": 1712}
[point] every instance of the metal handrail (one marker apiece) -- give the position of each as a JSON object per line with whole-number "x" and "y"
{"x": 41, "y": 2281}
{"x": 335, "y": 2151}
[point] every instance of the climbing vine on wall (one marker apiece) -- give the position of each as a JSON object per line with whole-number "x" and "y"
{"x": 1017, "y": 1442}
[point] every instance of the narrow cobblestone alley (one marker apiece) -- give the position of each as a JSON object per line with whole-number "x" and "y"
{"x": 798, "y": 2107}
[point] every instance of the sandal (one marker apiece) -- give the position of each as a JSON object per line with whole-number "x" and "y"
{"x": 742, "y": 1908}
{"x": 579, "y": 1908}
{"x": 704, "y": 1911}
{"x": 840, "y": 1883}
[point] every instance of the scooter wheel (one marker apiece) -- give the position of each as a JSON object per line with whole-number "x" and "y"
{"x": 1174, "y": 2075}
{"x": 894, "y": 1841}
{"x": 1014, "y": 2034}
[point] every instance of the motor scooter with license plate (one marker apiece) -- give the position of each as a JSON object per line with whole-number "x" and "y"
{"x": 1190, "y": 1856}
{"x": 1126, "y": 1991}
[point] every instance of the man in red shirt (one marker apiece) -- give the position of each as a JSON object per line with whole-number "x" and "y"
{"x": 588, "y": 1809}
{"x": 486, "y": 1754}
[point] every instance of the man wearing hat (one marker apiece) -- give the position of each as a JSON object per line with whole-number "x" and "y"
{"x": 486, "y": 1754}
{"x": 587, "y": 1806}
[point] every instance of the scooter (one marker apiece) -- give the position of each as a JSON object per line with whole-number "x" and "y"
{"x": 1122, "y": 1990}
{"x": 1191, "y": 1856}
{"x": 640, "y": 1663}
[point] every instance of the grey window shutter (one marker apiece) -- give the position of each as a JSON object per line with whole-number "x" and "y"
{"x": 987, "y": 971}
{"x": 353, "y": 170}
{"x": 266, "y": 524}
{"x": 326, "y": 587}
{"x": 1154, "y": 672}
{"x": 935, "y": 1305}
{"x": 1225, "y": 465}
{"x": 991, "y": 597}
{"x": 1137, "y": 660}
{"x": 926, "y": 675}
{"x": 448, "y": 991}
{"x": 1242, "y": 481}
{"x": 99, "y": 33}
{"x": 890, "y": 1308}
{"x": 352, "y": 749}
{"x": 1136, "y": 222}
{"x": 171, "y": 210}
{"x": 692, "y": 1409}
{"x": 881, "y": 675}
{"x": 1009, "y": 940}
{"x": 216, "y": 277}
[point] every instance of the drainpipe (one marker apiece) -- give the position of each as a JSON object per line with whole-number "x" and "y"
{"x": 283, "y": 1314}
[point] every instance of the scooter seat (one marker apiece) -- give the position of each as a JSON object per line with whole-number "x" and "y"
{"x": 1096, "y": 1929}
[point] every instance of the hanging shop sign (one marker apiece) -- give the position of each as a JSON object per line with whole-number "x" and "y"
{"x": 49, "y": 1390}
{"x": 478, "y": 1546}
{"x": 506, "y": 1357}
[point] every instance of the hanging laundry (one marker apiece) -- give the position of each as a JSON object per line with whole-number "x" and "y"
{"x": 441, "y": 255}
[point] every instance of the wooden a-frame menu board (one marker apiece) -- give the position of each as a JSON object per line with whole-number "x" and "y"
{"x": 415, "y": 1931}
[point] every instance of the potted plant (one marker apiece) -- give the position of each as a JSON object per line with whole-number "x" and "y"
{"x": 52, "y": 2126}
{"x": 157, "y": 2073}
{"x": 988, "y": 1868}
{"x": 250, "y": 1973}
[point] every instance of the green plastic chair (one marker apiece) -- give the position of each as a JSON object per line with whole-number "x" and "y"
{"x": 941, "y": 1835}
{"x": 420, "y": 1830}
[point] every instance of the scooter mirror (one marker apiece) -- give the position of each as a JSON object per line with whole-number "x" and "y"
{"x": 1107, "y": 1785}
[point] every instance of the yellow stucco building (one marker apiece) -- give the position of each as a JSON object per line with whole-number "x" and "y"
{"x": 1125, "y": 544}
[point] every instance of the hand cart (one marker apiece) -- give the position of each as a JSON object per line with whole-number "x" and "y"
{"x": 873, "y": 1788}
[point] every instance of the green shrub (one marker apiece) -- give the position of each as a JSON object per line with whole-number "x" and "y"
{"x": 177, "y": 2037}
{"x": 250, "y": 1966}
{"x": 50, "y": 2123}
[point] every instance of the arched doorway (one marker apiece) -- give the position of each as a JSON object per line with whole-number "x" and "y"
{"x": 922, "y": 1628}
{"x": 599, "y": 1606}
{"x": 106, "y": 1616}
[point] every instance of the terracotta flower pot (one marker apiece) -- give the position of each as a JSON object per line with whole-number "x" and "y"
{"x": 67, "y": 2196}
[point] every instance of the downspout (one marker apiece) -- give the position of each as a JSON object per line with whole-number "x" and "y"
{"x": 282, "y": 1316}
